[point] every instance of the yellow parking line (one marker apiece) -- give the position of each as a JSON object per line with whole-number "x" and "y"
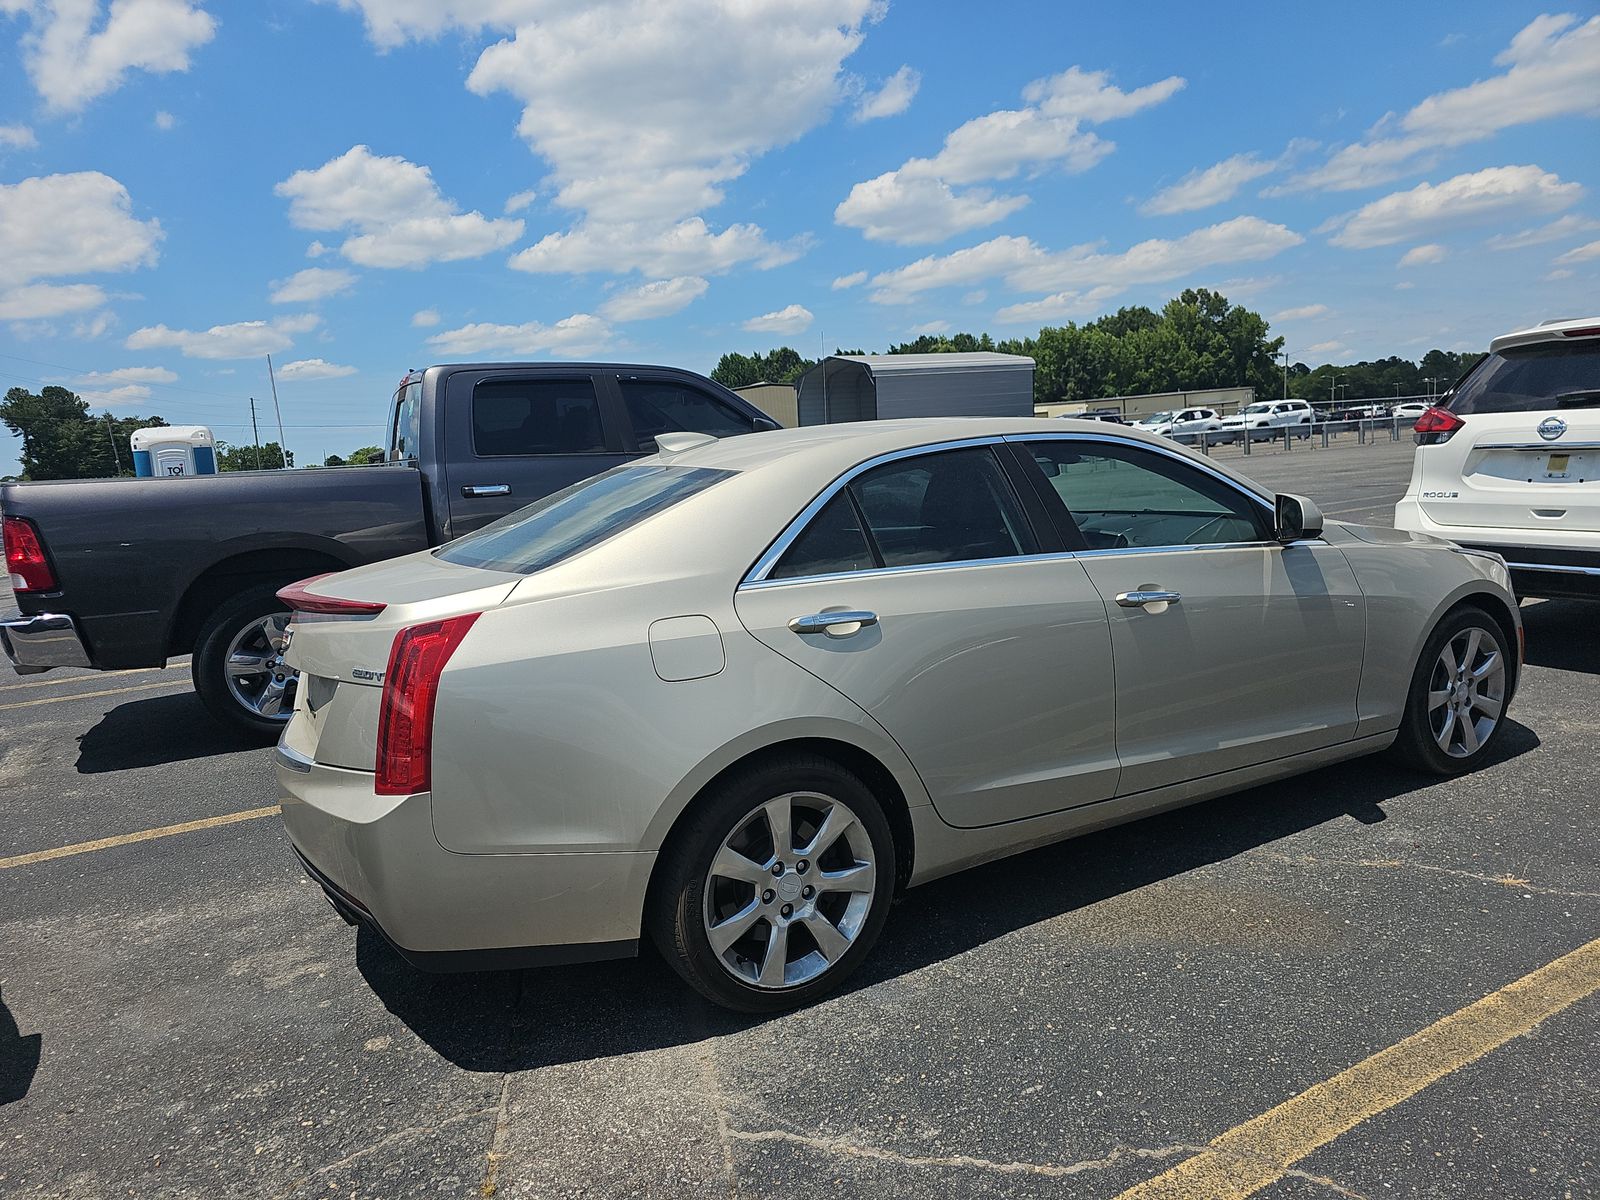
{"x": 57, "y": 681}
{"x": 127, "y": 839}
{"x": 1251, "y": 1156}
{"x": 137, "y": 687}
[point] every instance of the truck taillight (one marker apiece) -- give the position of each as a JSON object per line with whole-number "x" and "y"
{"x": 25, "y": 561}
{"x": 410, "y": 688}
{"x": 1436, "y": 425}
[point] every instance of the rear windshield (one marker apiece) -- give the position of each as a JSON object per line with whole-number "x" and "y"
{"x": 1530, "y": 378}
{"x": 583, "y": 515}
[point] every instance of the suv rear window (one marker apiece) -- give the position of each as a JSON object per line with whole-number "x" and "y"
{"x": 576, "y": 518}
{"x": 1529, "y": 378}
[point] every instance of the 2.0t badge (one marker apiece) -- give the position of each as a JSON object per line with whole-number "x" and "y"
{"x": 1551, "y": 428}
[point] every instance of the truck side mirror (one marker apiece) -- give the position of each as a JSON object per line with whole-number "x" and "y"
{"x": 1295, "y": 518}
{"x": 762, "y": 424}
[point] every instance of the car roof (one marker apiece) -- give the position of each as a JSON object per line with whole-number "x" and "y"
{"x": 1548, "y": 331}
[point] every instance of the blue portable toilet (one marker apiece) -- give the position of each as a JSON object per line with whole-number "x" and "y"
{"x": 168, "y": 451}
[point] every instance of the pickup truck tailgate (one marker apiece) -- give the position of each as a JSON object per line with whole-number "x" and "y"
{"x": 342, "y": 658}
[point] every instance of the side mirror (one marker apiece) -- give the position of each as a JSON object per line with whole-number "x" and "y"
{"x": 1296, "y": 518}
{"x": 763, "y": 424}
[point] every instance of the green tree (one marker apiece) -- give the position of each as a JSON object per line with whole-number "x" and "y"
{"x": 270, "y": 457}
{"x": 783, "y": 365}
{"x": 62, "y": 439}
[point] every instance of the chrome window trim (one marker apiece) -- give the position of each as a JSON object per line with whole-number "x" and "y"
{"x": 756, "y": 577}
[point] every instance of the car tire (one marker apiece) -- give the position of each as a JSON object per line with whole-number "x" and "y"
{"x": 717, "y": 879}
{"x": 246, "y": 626}
{"x": 1455, "y": 709}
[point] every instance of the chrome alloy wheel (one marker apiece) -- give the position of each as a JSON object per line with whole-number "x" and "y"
{"x": 258, "y": 678}
{"x": 789, "y": 890}
{"x": 1467, "y": 692}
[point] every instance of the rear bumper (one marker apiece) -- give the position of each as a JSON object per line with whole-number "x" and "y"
{"x": 1564, "y": 564}
{"x": 42, "y": 641}
{"x": 379, "y": 864}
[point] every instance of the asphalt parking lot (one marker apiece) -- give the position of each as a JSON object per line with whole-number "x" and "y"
{"x": 182, "y": 1016}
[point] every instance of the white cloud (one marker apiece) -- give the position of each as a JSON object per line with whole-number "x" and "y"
{"x": 425, "y": 318}
{"x": 1581, "y": 253}
{"x": 243, "y": 339}
{"x": 41, "y": 301}
{"x": 518, "y": 201}
{"x": 1423, "y": 256}
{"x": 1060, "y": 307}
{"x": 130, "y": 375}
{"x": 1336, "y": 348}
{"x": 907, "y": 210}
{"x": 126, "y": 396}
{"x": 399, "y": 216}
{"x": 17, "y": 137}
{"x": 687, "y": 248}
{"x": 317, "y": 250}
{"x": 976, "y": 296}
{"x": 311, "y": 284}
{"x": 1304, "y": 313}
{"x": 1429, "y": 209}
{"x": 790, "y": 319}
{"x": 661, "y": 298}
{"x": 313, "y": 368}
{"x": 71, "y": 62}
{"x": 1568, "y": 226}
{"x": 854, "y": 279}
{"x": 83, "y": 223}
{"x": 1553, "y": 70}
{"x": 1203, "y": 188}
{"x": 918, "y": 201}
{"x": 95, "y": 325}
{"x": 892, "y": 99}
{"x": 571, "y": 337}
{"x": 165, "y": 121}
{"x": 930, "y": 327}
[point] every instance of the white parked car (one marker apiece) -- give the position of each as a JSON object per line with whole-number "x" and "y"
{"x": 736, "y": 696}
{"x": 1509, "y": 460}
{"x": 1409, "y": 411}
{"x": 1184, "y": 425}
{"x": 1267, "y": 419}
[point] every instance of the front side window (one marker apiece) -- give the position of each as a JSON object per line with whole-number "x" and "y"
{"x": 1546, "y": 375}
{"x": 663, "y": 407}
{"x": 1125, "y": 496}
{"x": 536, "y": 416}
{"x": 577, "y": 518}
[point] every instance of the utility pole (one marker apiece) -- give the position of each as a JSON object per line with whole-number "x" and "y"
{"x": 1285, "y": 354}
{"x": 111, "y": 434}
{"x": 255, "y": 432}
{"x": 283, "y": 444}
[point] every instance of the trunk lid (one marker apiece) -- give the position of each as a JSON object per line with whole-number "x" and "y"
{"x": 1523, "y": 470}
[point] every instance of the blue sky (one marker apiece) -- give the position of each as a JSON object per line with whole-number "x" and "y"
{"x": 365, "y": 186}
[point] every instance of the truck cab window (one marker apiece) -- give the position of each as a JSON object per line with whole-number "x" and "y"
{"x": 536, "y": 416}
{"x": 406, "y": 425}
{"x": 660, "y": 406}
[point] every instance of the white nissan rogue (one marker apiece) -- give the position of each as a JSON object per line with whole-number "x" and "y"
{"x": 1509, "y": 459}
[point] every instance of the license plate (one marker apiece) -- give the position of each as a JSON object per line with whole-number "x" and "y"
{"x": 1556, "y": 468}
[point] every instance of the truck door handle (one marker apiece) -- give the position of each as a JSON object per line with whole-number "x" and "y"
{"x": 835, "y": 624}
{"x": 471, "y": 491}
{"x": 1148, "y": 596}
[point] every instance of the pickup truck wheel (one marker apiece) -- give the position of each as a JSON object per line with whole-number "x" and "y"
{"x": 238, "y": 665}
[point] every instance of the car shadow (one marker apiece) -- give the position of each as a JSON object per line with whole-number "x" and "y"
{"x": 19, "y": 1057}
{"x": 1561, "y": 635}
{"x": 519, "y": 1020}
{"x": 154, "y": 732}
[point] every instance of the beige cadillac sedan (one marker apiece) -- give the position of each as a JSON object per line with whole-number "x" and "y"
{"x": 736, "y": 696}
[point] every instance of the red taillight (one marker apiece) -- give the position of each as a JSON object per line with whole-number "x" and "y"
{"x": 25, "y": 561}
{"x": 410, "y": 687}
{"x": 1436, "y": 425}
{"x": 297, "y": 598}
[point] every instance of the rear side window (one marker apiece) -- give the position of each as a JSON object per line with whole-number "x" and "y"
{"x": 831, "y": 544}
{"x": 536, "y": 416}
{"x": 664, "y": 407}
{"x": 406, "y": 428}
{"x": 576, "y": 518}
{"x": 1530, "y": 378}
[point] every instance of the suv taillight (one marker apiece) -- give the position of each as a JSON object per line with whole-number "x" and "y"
{"x": 25, "y": 561}
{"x": 1436, "y": 425}
{"x": 410, "y": 688}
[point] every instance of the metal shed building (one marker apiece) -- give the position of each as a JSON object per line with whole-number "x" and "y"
{"x": 869, "y": 387}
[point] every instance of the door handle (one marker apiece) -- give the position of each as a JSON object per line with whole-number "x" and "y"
{"x": 1148, "y": 596}
{"x": 471, "y": 491}
{"x": 834, "y": 624}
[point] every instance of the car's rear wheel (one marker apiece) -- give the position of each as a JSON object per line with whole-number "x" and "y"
{"x": 776, "y": 886}
{"x": 1456, "y": 707}
{"x": 238, "y": 666}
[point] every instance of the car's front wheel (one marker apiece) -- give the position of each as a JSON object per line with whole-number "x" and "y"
{"x": 776, "y": 886}
{"x": 1459, "y": 691}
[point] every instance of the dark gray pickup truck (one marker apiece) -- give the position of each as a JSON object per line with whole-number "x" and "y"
{"x": 127, "y": 573}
